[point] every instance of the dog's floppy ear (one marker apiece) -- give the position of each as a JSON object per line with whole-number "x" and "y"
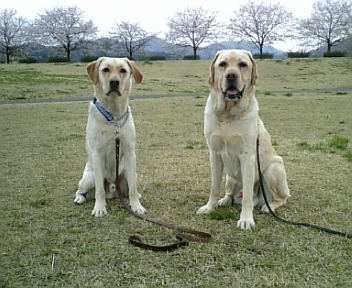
{"x": 93, "y": 70}
{"x": 137, "y": 75}
{"x": 212, "y": 69}
{"x": 254, "y": 69}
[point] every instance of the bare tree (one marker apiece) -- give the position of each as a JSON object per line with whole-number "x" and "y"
{"x": 261, "y": 24}
{"x": 193, "y": 28}
{"x": 131, "y": 37}
{"x": 12, "y": 33}
{"x": 330, "y": 24}
{"x": 106, "y": 47}
{"x": 66, "y": 27}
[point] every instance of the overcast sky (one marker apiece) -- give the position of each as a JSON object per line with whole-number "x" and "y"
{"x": 152, "y": 15}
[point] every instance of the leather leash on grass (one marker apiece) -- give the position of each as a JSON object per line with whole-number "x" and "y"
{"x": 292, "y": 222}
{"x": 183, "y": 238}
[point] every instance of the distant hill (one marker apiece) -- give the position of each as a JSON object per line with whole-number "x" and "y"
{"x": 160, "y": 47}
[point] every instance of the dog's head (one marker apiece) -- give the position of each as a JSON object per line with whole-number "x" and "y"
{"x": 113, "y": 76}
{"x": 233, "y": 73}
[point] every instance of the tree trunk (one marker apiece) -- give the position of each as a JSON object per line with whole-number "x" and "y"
{"x": 68, "y": 51}
{"x": 329, "y": 45}
{"x": 7, "y": 55}
{"x": 194, "y": 53}
{"x": 261, "y": 51}
{"x": 131, "y": 51}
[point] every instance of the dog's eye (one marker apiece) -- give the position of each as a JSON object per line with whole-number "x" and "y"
{"x": 243, "y": 65}
{"x": 123, "y": 70}
{"x": 106, "y": 70}
{"x": 222, "y": 64}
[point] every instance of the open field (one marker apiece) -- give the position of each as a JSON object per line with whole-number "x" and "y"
{"x": 54, "y": 81}
{"x": 47, "y": 240}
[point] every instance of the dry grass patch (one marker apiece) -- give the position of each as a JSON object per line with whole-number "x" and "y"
{"x": 47, "y": 240}
{"x": 69, "y": 80}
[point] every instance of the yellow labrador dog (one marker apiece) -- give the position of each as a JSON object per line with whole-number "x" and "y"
{"x": 231, "y": 128}
{"x": 109, "y": 116}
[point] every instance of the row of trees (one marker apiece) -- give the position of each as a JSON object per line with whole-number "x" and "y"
{"x": 330, "y": 24}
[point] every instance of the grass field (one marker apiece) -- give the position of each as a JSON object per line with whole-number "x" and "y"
{"x": 48, "y": 241}
{"x": 54, "y": 81}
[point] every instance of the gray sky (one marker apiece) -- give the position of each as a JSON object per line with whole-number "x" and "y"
{"x": 152, "y": 15}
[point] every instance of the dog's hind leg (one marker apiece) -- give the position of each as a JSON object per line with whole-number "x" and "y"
{"x": 230, "y": 192}
{"x": 275, "y": 183}
{"x": 85, "y": 186}
{"x": 111, "y": 190}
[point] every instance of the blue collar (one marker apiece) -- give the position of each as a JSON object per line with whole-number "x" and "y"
{"x": 116, "y": 122}
{"x": 101, "y": 109}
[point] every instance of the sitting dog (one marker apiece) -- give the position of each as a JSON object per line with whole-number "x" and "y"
{"x": 231, "y": 127}
{"x": 109, "y": 117}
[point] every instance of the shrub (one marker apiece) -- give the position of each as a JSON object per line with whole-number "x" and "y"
{"x": 156, "y": 58}
{"x": 334, "y": 54}
{"x": 142, "y": 57}
{"x": 298, "y": 54}
{"x": 28, "y": 60}
{"x": 57, "y": 59}
{"x": 128, "y": 57}
{"x": 263, "y": 56}
{"x": 191, "y": 57}
{"x": 88, "y": 58}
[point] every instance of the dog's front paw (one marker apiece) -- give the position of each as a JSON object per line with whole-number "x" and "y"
{"x": 226, "y": 201}
{"x": 205, "y": 209}
{"x": 139, "y": 209}
{"x": 80, "y": 199}
{"x": 99, "y": 210}
{"x": 246, "y": 223}
{"x": 136, "y": 206}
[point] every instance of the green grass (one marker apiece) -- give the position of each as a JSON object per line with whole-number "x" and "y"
{"x": 348, "y": 156}
{"x": 222, "y": 214}
{"x": 171, "y": 77}
{"x": 48, "y": 241}
{"x": 338, "y": 142}
{"x": 333, "y": 145}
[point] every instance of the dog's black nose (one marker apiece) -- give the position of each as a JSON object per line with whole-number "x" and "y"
{"x": 114, "y": 83}
{"x": 231, "y": 76}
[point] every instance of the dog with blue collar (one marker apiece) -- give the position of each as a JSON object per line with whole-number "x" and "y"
{"x": 109, "y": 117}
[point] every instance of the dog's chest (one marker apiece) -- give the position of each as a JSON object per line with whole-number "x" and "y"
{"x": 229, "y": 147}
{"x": 226, "y": 142}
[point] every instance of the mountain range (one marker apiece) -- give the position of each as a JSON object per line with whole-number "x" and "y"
{"x": 158, "y": 45}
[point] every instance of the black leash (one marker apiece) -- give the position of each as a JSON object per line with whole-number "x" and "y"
{"x": 292, "y": 222}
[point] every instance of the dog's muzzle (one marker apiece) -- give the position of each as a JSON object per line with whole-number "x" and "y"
{"x": 114, "y": 85}
{"x": 233, "y": 93}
